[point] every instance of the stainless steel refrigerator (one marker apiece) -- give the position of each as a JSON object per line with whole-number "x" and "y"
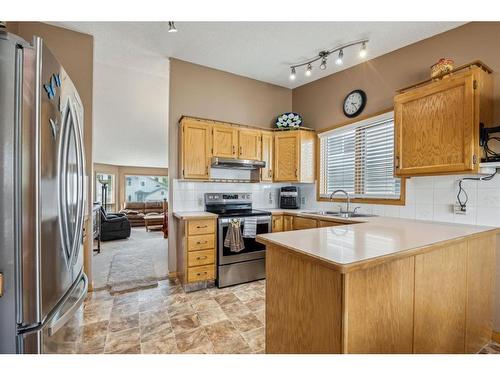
{"x": 42, "y": 202}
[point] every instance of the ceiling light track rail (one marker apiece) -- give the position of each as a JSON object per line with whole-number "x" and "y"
{"x": 323, "y": 55}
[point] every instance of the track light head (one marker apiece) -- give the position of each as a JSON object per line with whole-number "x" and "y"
{"x": 339, "y": 60}
{"x": 171, "y": 27}
{"x": 309, "y": 70}
{"x": 292, "y": 75}
{"x": 362, "y": 51}
{"x": 323, "y": 63}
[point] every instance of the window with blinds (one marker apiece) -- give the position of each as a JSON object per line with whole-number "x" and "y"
{"x": 359, "y": 158}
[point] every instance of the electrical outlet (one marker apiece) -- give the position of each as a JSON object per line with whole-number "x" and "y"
{"x": 270, "y": 197}
{"x": 459, "y": 210}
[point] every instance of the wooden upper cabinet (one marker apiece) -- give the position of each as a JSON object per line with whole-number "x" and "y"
{"x": 196, "y": 145}
{"x": 266, "y": 173}
{"x": 249, "y": 144}
{"x": 294, "y": 156}
{"x": 437, "y": 124}
{"x": 225, "y": 141}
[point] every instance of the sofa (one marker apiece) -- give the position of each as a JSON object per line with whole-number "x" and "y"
{"x": 113, "y": 226}
{"x": 135, "y": 211}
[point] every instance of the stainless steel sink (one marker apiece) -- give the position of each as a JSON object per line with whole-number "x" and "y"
{"x": 339, "y": 214}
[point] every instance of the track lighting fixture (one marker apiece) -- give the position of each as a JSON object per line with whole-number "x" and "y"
{"x": 339, "y": 60}
{"x": 362, "y": 51}
{"x": 309, "y": 70}
{"x": 171, "y": 27}
{"x": 323, "y": 55}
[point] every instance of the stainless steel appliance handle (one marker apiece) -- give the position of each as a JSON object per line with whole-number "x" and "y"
{"x": 81, "y": 185}
{"x": 57, "y": 321}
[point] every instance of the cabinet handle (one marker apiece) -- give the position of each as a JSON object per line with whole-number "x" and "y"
{"x": 396, "y": 161}
{"x": 201, "y": 226}
{"x": 234, "y": 150}
{"x": 270, "y": 173}
{"x": 201, "y": 243}
{"x": 201, "y": 258}
{"x": 202, "y": 273}
{"x": 241, "y": 150}
{"x": 296, "y": 172}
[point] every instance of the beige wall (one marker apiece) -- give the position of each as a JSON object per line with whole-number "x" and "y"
{"x": 75, "y": 51}
{"x": 120, "y": 171}
{"x": 199, "y": 91}
{"x": 320, "y": 102}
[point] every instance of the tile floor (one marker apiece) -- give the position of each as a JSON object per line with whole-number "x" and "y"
{"x": 167, "y": 320}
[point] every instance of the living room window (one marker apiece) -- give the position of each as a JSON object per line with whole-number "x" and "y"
{"x": 359, "y": 158}
{"x": 146, "y": 188}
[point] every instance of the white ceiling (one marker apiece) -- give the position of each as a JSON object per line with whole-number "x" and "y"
{"x": 259, "y": 50}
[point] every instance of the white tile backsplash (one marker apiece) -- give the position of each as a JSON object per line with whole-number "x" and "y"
{"x": 427, "y": 198}
{"x": 189, "y": 196}
{"x": 432, "y": 198}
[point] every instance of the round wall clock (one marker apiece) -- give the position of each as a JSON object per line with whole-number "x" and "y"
{"x": 354, "y": 103}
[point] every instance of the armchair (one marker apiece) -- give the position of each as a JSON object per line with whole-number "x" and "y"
{"x": 114, "y": 226}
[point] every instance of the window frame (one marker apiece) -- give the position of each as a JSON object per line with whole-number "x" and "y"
{"x": 382, "y": 201}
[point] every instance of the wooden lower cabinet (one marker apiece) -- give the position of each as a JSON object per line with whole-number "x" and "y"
{"x": 304, "y": 223}
{"x": 440, "y": 297}
{"x": 438, "y": 301}
{"x": 277, "y": 224}
{"x": 287, "y": 223}
{"x": 196, "y": 252}
{"x": 328, "y": 223}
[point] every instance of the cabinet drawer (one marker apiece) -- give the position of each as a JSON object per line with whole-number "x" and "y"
{"x": 201, "y": 273}
{"x": 201, "y": 242}
{"x": 201, "y": 227}
{"x": 200, "y": 258}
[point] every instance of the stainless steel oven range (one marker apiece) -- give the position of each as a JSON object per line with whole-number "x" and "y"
{"x": 250, "y": 263}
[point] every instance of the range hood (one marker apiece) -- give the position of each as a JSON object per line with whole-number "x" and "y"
{"x": 229, "y": 163}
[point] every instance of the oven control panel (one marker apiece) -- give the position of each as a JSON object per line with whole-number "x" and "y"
{"x": 212, "y": 198}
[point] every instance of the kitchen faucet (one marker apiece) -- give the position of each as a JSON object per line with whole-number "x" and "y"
{"x": 346, "y": 194}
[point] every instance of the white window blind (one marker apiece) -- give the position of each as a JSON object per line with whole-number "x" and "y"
{"x": 359, "y": 158}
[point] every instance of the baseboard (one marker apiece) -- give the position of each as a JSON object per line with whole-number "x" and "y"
{"x": 495, "y": 336}
{"x": 172, "y": 275}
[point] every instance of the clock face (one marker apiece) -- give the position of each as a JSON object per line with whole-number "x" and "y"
{"x": 354, "y": 103}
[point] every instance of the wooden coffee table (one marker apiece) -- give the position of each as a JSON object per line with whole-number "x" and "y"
{"x": 153, "y": 221}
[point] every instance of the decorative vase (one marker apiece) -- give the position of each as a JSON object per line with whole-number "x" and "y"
{"x": 443, "y": 66}
{"x": 289, "y": 120}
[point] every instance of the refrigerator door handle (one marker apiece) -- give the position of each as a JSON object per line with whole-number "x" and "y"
{"x": 69, "y": 305}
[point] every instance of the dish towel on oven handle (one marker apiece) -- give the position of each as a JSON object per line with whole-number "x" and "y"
{"x": 234, "y": 240}
{"x": 250, "y": 227}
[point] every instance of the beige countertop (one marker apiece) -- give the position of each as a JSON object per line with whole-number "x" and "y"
{"x": 373, "y": 240}
{"x": 186, "y": 215}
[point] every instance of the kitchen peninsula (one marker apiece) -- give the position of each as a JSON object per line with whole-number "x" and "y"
{"x": 383, "y": 285}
